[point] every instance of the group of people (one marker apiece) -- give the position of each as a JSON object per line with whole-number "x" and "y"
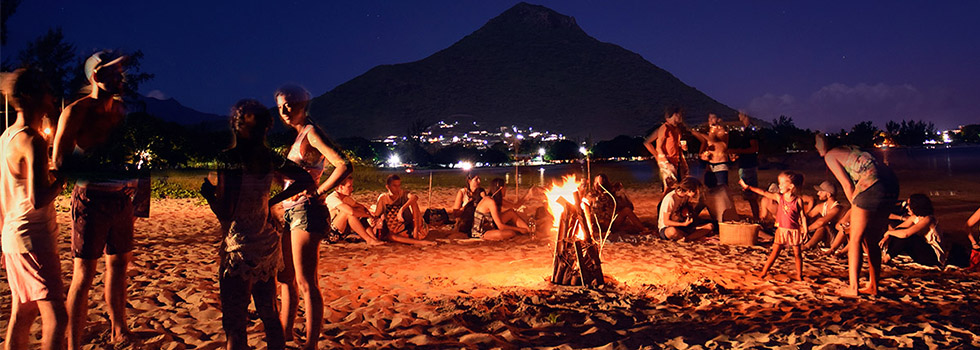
{"x": 266, "y": 240}
{"x": 270, "y": 243}
{"x": 866, "y": 221}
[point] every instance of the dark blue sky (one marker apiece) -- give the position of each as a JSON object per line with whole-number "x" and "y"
{"x": 826, "y": 64}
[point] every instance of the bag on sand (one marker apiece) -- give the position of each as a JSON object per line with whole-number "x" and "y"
{"x": 436, "y": 217}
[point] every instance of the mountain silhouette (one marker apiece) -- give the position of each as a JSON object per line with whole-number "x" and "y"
{"x": 529, "y": 66}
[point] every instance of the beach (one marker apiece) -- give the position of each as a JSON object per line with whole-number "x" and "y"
{"x": 475, "y": 294}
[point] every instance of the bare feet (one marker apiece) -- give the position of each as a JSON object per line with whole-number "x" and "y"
{"x": 871, "y": 290}
{"x": 847, "y": 292}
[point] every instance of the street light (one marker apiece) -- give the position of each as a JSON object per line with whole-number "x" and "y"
{"x": 583, "y": 151}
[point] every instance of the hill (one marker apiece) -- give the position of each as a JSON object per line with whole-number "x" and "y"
{"x": 528, "y": 66}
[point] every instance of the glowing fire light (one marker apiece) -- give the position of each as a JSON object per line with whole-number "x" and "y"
{"x": 47, "y": 131}
{"x": 566, "y": 189}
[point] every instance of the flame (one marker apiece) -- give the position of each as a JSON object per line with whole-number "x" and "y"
{"x": 581, "y": 234}
{"x": 566, "y": 189}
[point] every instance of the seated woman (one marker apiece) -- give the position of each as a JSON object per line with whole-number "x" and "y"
{"x": 605, "y": 200}
{"x": 465, "y": 204}
{"x": 918, "y": 237}
{"x": 399, "y": 217}
{"x": 491, "y": 222}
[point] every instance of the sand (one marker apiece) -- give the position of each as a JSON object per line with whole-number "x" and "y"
{"x": 475, "y": 294}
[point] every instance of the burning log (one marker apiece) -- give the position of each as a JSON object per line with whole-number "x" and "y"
{"x": 576, "y": 250}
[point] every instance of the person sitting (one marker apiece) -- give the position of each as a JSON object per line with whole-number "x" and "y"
{"x": 971, "y": 234}
{"x": 346, "y": 214}
{"x": 918, "y": 236}
{"x": 606, "y": 200}
{"x": 823, "y": 216}
{"x": 679, "y": 211}
{"x": 399, "y": 216}
{"x": 491, "y": 222}
{"x": 465, "y": 204}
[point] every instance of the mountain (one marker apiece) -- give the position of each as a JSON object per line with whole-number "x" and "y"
{"x": 528, "y": 66}
{"x": 172, "y": 111}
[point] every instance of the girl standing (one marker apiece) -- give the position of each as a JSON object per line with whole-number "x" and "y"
{"x": 250, "y": 251}
{"x": 790, "y": 218}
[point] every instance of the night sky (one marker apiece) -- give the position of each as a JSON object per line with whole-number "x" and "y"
{"x": 826, "y": 65}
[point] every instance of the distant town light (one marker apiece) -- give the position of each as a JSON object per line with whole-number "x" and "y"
{"x": 394, "y": 160}
{"x": 583, "y": 150}
{"x": 520, "y": 136}
{"x": 541, "y": 151}
{"x": 466, "y": 166}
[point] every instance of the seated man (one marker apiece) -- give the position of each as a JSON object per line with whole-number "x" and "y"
{"x": 679, "y": 209}
{"x": 346, "y": 214}
{"x": 399, "y": 216}
{"x": 602, "y": 200}
{"x": 823, "y": 216}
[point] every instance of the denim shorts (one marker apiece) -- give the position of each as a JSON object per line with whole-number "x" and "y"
{"x": 308, "y": 216}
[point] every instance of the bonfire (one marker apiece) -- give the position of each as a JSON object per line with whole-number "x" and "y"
{"x": 577, "y": 249}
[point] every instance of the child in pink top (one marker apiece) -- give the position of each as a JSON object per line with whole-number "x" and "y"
{"x": 790, "y": 219}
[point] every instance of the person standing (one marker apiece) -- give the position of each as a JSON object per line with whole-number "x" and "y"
{"x": 306, "y": 213}
{"x": 27, "y": 192}
{"x": 872, "y": 189}
{"x": 87, "y": 147}
{"x": 746, "y": 147}
{"x": 250, "y": 244}
{"x": 714, "y": 146}
{"x": 667, "y": 148}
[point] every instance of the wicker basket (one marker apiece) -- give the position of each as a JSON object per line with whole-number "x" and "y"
{"x": 738, "y": 233}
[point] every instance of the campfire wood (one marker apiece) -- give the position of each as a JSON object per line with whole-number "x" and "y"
{"x": 576, "y": 256}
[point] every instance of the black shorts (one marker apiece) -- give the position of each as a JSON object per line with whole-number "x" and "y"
{"x": 882, "y": 195}
{"x": 102, "y": 221}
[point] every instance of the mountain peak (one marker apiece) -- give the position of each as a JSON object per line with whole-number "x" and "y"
{"x": 528, "y": 18}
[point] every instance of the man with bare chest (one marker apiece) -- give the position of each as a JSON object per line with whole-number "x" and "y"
{"x": 714, "y": 151}
{"x": 88, "y": 148}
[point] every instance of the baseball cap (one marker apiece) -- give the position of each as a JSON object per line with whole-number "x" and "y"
{"x": 101, "y": 59}
{"x": 826, "y": 186}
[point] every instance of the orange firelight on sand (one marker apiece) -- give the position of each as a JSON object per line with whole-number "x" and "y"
{"x": 566, "y": 189}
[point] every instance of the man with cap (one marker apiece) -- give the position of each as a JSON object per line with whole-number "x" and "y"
{"x": 823, "y": 216}
{"x": 87, "y": 148}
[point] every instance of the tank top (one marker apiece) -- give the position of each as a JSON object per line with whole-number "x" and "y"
{"x": 861, "y": 167}
{"x": 309, "y": 158}
{"x": 22, "y": 223}
{"x": 935, "y": 239}
{"x": 672, "y": 143}
{"x": 788, "y": 213}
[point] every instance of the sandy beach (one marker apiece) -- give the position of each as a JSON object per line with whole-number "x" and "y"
{"x": 474, "y": 294}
